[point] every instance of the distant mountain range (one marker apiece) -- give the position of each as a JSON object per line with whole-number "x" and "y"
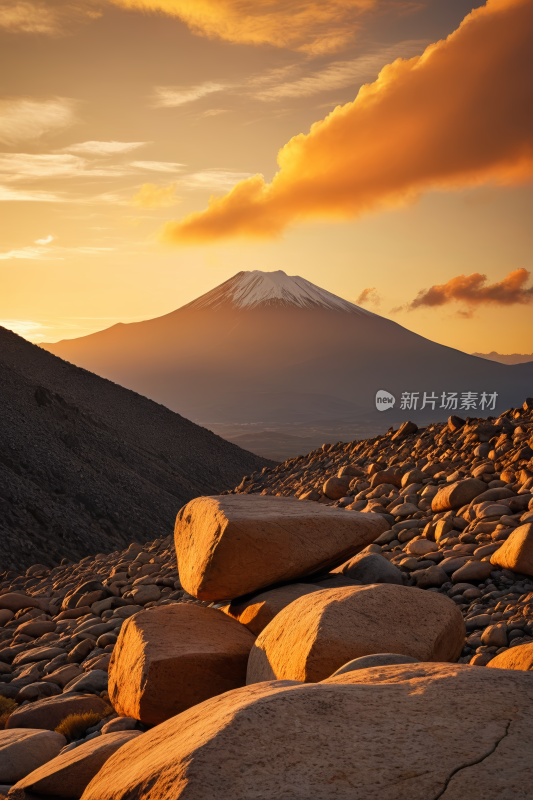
{"x": 264, "y": 347}
{"x": 512, "y": 358}
{"x": 87, "y": 466}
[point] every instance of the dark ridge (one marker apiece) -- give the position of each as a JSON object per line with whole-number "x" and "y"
{"x": 87, "y": 466}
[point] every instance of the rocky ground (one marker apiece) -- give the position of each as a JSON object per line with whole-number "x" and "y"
{"x": 88, "y": 466}
{"x": 395, "y": 564}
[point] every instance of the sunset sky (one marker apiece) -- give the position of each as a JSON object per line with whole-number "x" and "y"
{"x": 120, "y": 119}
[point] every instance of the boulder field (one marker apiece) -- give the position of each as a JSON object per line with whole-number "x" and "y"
{"x": 291, "y": 639}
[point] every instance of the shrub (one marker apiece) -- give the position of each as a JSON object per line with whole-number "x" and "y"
{"x": 6, "y": 709}
{"x": 74, "y": 726}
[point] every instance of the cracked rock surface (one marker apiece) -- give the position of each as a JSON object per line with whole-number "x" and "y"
{"x": 386, "y": 733}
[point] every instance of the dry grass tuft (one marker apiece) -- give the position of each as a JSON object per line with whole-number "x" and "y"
{"x": 6, "y": 709}
{"x": 74, "y": 726}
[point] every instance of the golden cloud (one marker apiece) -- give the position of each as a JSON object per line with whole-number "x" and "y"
{"x": 312, "y": 26}
{"x": 369, "y": 296}
{"x": 151, "y": 196}
{"x": 459, "y": 115}
{"x": 474, "y": 290}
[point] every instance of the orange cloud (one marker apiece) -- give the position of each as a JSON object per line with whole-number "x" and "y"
{"x": 369, "y": 296}
{"x": 151, "y": 196}
{"x": 459, "y": 115}
{"x": 312, "y": 26}
{"x": 473, "y": 290}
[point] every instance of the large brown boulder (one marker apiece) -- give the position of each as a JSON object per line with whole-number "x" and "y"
{"x": 458, "y": 494}
{"x": 47, "y": 714}
{"x": 233, "y": 545}
{"x": 170, "y": 658}
{"x": 68, "y": 774}
{"x": 314, "y": 636}
{"x": 516, "y": 552}
{"x": 261, "y": 609}
{"x": 520, "y": 657}
{"x": 403, "y": 732}
{"x": 22, "y": 751}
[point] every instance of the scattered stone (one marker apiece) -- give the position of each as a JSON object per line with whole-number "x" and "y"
{"x": 520, "y": 657}
{"x": 47, "y": 714}
{"x": 457, "y": 494}
{"x": 370, "y": 568}
{"x": 517, "y": 552}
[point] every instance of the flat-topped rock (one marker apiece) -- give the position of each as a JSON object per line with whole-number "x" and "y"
{"x": 319, "y": 633}
{"x": 170, "y": 658}
{"x": 385, "y": 733}
{"x": 232, "y": 545}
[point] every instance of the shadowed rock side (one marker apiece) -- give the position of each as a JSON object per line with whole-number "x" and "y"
{"x": 87, "y": 466}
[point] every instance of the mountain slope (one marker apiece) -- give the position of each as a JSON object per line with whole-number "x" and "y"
{"x": 87, "y": 466}
{"x": 270, "y": 348}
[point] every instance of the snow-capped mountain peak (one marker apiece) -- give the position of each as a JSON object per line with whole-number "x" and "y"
{"x": 247, "y": 290}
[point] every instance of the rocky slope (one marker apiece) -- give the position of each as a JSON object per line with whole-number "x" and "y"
{"x": 87, "y": 466}
{"x": 390, "y": 554}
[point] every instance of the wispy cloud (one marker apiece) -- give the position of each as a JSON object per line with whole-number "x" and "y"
{"x": 336, "y": 75}
{"x": 23, "y": 17}
{"x": 24, "y": 327}
{"x": 158, "y": 166}
{"x": 27, "y": 165}
{"x": 32, "y": 253}
{"x": 25, "y": 119}
{"x": 9, "y": 195}
{"x": 44, "y": 241}
{"x": 213, "y": 178}
{"x": 103, "y": 148}
{"x": 49, "y": 18}
{"x": 173, "y": 96}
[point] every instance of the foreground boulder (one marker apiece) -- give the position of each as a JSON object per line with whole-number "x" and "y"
{"x": 68, "y": 774}
{"x": 47, "y": 714}
{"x": 314, "y": 636}
{"x": 170, "y": 658}
{"x": 390, "y": 733}
{"x": 517, "y": 552}
{"x": 261, "y": 609}
{"x": 22, "y": 751}
{"x": 231, "y": 545}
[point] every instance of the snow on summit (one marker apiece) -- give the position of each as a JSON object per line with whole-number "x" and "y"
{"x": 249, "y": 290}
